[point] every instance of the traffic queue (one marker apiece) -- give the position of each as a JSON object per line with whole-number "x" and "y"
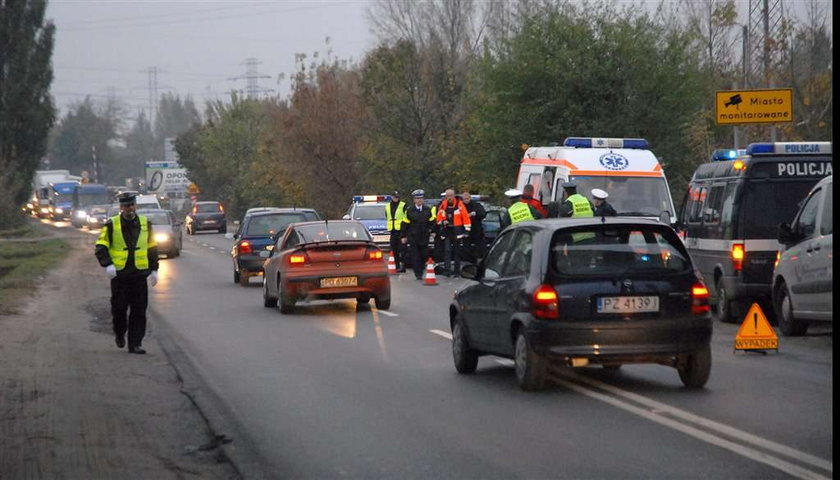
{"x": 588, "y": 263}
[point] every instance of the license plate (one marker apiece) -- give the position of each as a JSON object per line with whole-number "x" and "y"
{"x": 208, "y": 221}
{"x": 333, "y": 282}
{"x": 381, "y": 238}
{"x": 628, "y": 304}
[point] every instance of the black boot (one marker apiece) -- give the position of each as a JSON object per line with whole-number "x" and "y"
{"x": 120, "y": 341}
{"x": 138, "y": 350}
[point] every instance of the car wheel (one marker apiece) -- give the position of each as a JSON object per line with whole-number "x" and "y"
{"x": 466, "y": 359}
{"x": 788, "y": 324}
{"x": 695, "y": 368}
{"x": 530, "y": 367}
{"x": 382, "y": 303}
{"x": 268, "y": 301}
{"x": 244, "y": 276}
{"x": 723, "y": 310}
{"x": 286, "y": 305}
{"x": 235, "y": 276}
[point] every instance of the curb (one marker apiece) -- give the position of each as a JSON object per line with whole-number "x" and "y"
{"x": 232, "y": 441}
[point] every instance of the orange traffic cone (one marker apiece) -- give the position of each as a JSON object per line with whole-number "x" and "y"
{"x": 430, "y": 273}
{"x": 392, "y": 267}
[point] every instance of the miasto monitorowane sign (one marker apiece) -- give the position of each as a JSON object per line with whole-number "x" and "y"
{"x": 734, "y": 107}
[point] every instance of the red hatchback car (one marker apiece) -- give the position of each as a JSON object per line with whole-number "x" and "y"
{"x": 325, "y": 260}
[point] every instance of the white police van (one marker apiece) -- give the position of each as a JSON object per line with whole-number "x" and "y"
{"x": 370, "y": 211}
{"x": 623, "y": 167}
{"x": 731, "y": 214}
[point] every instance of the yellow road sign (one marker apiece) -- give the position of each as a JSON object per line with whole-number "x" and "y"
{"x": 755, "y": 332}
{"x": 193, "y": 189}
{"x": 733, "y": 107}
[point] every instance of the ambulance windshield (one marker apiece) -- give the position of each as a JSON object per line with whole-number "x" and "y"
{"x": 635, "y": 196}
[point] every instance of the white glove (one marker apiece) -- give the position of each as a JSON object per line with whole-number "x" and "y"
{"x": 111, "y": 270}
{"x": 153, "y": 278}
{"x": 467, "y": 227}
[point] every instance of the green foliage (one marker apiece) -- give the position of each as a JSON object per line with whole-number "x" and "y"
{"x": 22, "y": 263}
{"x": 26, "y": 108}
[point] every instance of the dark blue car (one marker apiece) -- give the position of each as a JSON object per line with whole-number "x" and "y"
{"x": 258, "y": 232}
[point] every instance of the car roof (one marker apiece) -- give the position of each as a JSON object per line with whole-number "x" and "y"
{"x": 207, "y": 202}
{"x": 280, "y": 210}
{"x": 321, "y": 222}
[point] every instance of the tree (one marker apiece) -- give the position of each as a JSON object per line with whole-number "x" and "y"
{"x": 84, "y": 130}
{"x": 26, "y": 108}
{"x": 174, "y": 116}
{"x": 140, "y": 147}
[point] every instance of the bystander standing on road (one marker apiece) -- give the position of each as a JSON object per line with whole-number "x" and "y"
{"x": 126, "y": 248}
{"x": 455, "y": 223}
{"x": 474, "y": 244}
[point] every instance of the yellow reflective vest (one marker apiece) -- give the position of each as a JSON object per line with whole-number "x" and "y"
{"x": 117, "y": 248}
{"x": 396, "y": 222}
{"x": 580, "y": 206}
{"x": 520, "y": 212}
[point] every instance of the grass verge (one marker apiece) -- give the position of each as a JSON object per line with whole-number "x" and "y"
{"x": 23, "y": 264}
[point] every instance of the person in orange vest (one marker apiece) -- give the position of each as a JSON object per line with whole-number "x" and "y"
{"x": 455, "y": 224}
{"x": 528, "y": 197}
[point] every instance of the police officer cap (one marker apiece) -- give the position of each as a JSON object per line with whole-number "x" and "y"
{"x": 599, "y": 194}
{"x": 569, "y": 184}
{"x": 396, "y": 194}
{"x": 418, "y": 193}
{"x": 127, "y": 198}
{"x": 513, "y": 193}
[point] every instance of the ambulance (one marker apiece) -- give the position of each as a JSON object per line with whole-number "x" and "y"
{"x": 623, "y": 167}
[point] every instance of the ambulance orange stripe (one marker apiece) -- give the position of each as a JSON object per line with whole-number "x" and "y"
{"x": 548, "y": 161}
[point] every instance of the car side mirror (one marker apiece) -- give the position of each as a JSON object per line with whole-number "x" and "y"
{"x": 265, "y": 253}
{"x": 786, "y": 235}
{"x": 471, "y": 272}
{"x": 345, "y": 217}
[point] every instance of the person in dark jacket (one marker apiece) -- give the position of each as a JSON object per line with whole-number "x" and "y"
{"x": 602, "y": 207}
{"x": 420, "y": 219}
{"x": 475, "y": 243}
{"x": 127, "y": 249}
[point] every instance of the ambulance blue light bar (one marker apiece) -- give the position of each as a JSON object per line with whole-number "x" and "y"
{"x": 584, "y": 142}
{"x": 723, "y": 154}
{"x": 789, "y": 148}
{"x": 371, "y": 198}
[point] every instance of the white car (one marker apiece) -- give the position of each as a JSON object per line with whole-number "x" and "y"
{"x": 802, "y": 278}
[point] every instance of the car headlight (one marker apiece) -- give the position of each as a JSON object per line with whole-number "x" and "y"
{"x": 93, "y": 220}
{"x": 59, "y": 210}
{"x": 161, "y": 237}
{"x": 80, "y": 214}
{"x": 45, "y": 210}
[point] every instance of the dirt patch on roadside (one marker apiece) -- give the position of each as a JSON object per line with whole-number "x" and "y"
{"x": 72, "y": 405}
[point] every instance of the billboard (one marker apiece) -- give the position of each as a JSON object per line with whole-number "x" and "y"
{"x": 165, "y": 177}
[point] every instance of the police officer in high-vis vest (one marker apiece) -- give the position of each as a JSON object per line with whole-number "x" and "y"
{"x": 126, "y": 248}
{"x": 394, "y": 219}
{"x": 520, "y": 209}
{"x": 574, "y": 204}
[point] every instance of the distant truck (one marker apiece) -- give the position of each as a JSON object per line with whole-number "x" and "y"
{"x": 40, "y": 201}
{"x": 60, "y": 197}
{"x": 86, "y": 195}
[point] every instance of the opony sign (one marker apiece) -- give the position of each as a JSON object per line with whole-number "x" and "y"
{"x": 162, "y": 177}
{"x": 733, "y": 107}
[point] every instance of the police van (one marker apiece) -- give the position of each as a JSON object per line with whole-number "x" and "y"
{"x": 370, "y": 211}
{"x": 732, "y": 211}
{"x": 623, "y": 167}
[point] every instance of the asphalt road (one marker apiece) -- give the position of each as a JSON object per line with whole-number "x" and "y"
{"x": 333, "y": 391}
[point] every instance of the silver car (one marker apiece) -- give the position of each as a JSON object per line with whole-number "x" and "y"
{"x": 167, "y": 231}
{"x": 802, "y": 278}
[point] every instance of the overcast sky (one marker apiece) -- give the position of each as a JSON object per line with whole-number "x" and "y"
{"x": 106, "y": 47}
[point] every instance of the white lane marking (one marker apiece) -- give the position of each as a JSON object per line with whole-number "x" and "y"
{"x": 750, "y": 453}
{"x": 387, "y": 314}
{"x": 380, "y": 338}
{"x": 655, "y": 416}
{"x": 443, "y": 334}
{"x": 710, "y": 424}
{"x": 204, "y": 245}
{"x": 212, "y": 248}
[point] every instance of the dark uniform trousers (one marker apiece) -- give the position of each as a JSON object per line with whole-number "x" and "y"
{"x": 419, "y": 253}
{"x": 396, "y": 248}
{"x": 129, "y": 299}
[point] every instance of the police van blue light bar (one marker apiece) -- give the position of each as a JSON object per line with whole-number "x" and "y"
{"x": 789, "y": 148}
{"x": 584, "y": 142}
{"x": 723, "y": 154}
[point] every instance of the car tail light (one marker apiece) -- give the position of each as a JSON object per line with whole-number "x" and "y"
{"x": 699, "y": 299}
{"x": 737, "y": 254}
{"x": 244, "y": 248}
{"x": 546, "y": 303}
{"x": 374, "y": 254}
{"x": 221, "y": 208}
{"x": 297, "y": 259}
{"x": 778, "y": 257}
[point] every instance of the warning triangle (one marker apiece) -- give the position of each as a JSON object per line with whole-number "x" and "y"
{"x": 755, "y": 332}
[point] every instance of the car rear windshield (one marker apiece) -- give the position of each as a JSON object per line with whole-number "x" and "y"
{"x": 328, "y": 231}
{"x": 617, "y": 250}
{"x": 208, "y": 208}
{"x": 157, "y": 218}
{"x": 267, "y": 225}
{"x": 769, "y": 203}
{"x": 369, "y": 212}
